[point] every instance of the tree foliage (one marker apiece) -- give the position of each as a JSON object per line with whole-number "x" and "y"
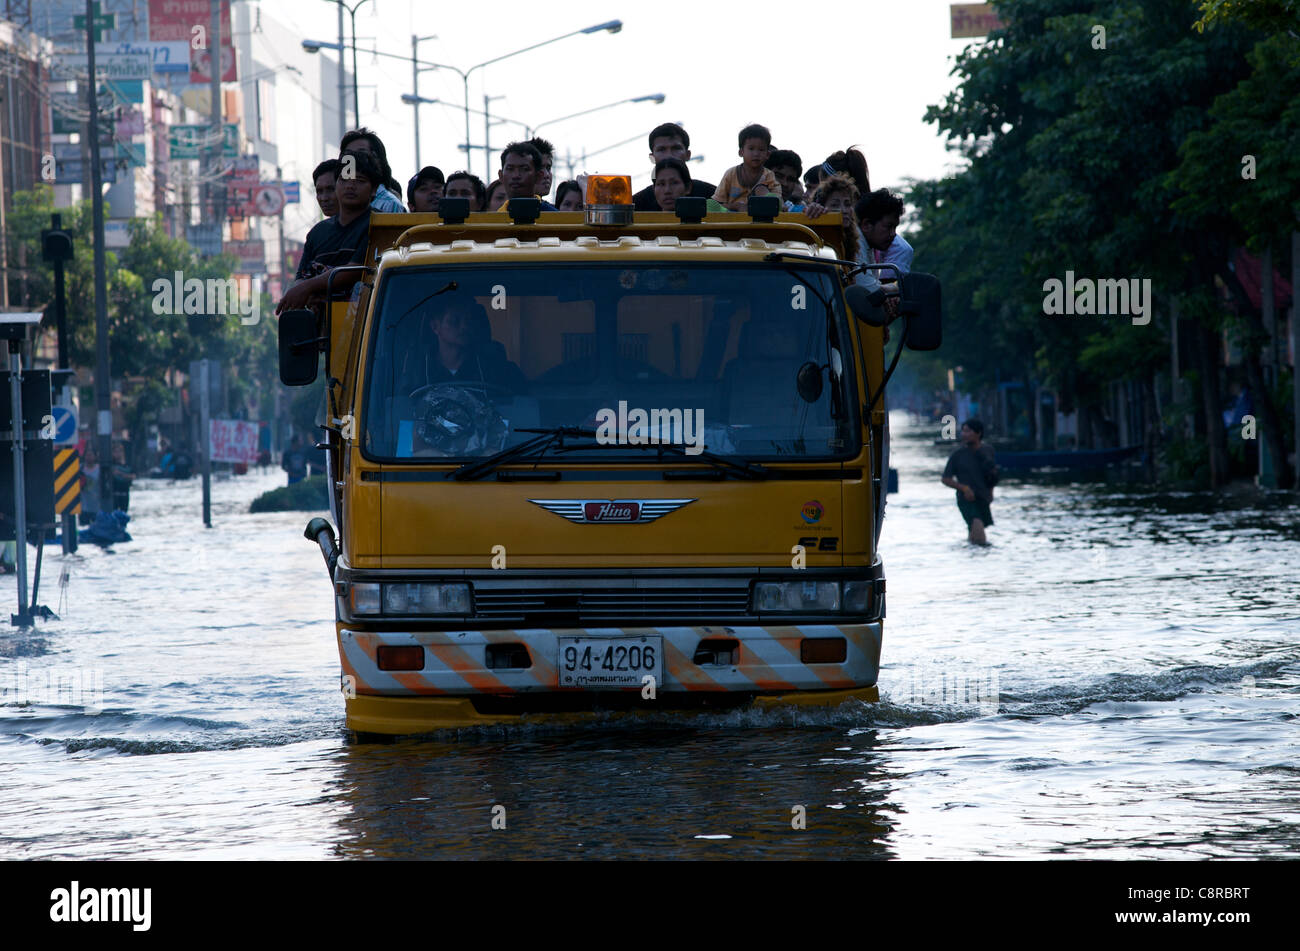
{"x": 145, "y": 346}
{"x": 1102, "y": 139}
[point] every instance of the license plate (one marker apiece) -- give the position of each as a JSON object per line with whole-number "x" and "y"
{"x": 610, "y": 661}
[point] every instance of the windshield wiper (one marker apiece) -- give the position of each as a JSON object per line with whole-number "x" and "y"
{"x": 538, "y": 445}
{"x": 739, "y": 467}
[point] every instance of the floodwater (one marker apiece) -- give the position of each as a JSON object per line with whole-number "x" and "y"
{"x": 1117, "y": 676}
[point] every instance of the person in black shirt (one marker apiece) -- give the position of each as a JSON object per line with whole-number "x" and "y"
{"x": 544, "y": 179}
{"x": 467, "y": 186}
{"x": 339, "y": 240}
{"x": 425, "y": 189}
{"x": 521, "y": 170}
{"x": 294, "y": 461}
{"x": 972, "y": 471}
{"x": 670, "y": 141}
{"x": 122, "y": 478}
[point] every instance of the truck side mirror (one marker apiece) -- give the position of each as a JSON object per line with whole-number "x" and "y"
{"x": 808, "y": 382}
{"x": 922, "y": 306}
{"x": 299, "y": 347}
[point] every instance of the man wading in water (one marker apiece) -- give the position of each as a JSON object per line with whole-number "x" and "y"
{"x": 972, "y": 471}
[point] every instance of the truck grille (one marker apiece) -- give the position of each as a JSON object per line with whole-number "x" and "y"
{"x": 552, "y": 606}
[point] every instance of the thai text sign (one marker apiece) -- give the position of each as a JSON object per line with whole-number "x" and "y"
{"x": 973, "y": 19}
{"x": 233, "y": 440}
{"x": 190, "y": 141}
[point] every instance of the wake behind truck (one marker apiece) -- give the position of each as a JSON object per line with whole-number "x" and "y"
{"x": 602, "y": 461}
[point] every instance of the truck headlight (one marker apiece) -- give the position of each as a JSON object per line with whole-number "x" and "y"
{"x": 401, "y": 598}
{"x": 794, "y": 597}
{"x": 857, "y": 596}
{"x": 426, "y": 598}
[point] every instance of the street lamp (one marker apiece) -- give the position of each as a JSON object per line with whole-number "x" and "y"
{"x": 416, "y": 69}
{"x": 612, "y": 26}
{"x": 315, "y": 46}
{"x": 412, "y": 100}
{"x": 656, "y": 98}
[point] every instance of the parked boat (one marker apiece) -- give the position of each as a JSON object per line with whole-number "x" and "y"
{"x": 1066, "y": 459}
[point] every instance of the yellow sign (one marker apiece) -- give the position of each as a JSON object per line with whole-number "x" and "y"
{"x": 973, "y": 19}
{"x": 67, "y": 482}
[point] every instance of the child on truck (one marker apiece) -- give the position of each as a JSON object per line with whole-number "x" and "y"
{"x": 750, "y": 177}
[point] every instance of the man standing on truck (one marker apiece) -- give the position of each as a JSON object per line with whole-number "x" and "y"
{"x": 339, "y": 240}
{"x": 669, "y": 141}
{"x": 521, "y": 169}
{"x": 973, "y": 472}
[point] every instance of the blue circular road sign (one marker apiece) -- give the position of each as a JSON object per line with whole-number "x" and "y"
{"x": 65, "y": 424}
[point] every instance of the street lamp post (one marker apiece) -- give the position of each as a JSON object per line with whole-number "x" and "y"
{"x": 356, "y": 101}
{"x": 415, "y": 89}
{"x": 654, "y": 97}
{"x": 340, "y": 46}
{"x": 612, "y": 26}
{"x": 487, "y": 136}
{"x": 314, "y": 46}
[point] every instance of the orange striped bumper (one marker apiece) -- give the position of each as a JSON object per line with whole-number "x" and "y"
{"x": 457, "y": 688}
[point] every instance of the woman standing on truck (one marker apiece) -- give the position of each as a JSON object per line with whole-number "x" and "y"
{"x": 672, "y": 180}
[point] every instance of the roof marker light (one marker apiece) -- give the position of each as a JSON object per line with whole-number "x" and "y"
{"x": 453, "y": 211}
{"x": 691, "y": 211}
{"x": 763, "y": 208}
{"x": 609, "y": 200}
{"x": 523, "y": 211}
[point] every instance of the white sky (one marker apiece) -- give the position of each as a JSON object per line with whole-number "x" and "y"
{"x": 822, "y": 77}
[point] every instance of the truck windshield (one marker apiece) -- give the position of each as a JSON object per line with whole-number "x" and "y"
{"x": 703, "y": 357}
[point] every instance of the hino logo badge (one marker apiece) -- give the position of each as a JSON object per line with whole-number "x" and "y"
{"x": 611, "y": 511}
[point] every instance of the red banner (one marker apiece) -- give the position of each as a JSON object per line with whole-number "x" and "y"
{"x": 173, "y": 21}
{"x": 233, "y": 440}
{"x": 973, "y": 19}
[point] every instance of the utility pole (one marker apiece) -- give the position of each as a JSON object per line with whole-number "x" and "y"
{"x": 285, "y": 276}
{"x": 205, "y": 443}
{"x": 487, "y": 139}
{"x": 415, "y": 89}
{"x": 343, "y": 87}
{"x": 217, "y": 188}
{"x": 1295, "y": 350}
{"x": 103, "y": 378}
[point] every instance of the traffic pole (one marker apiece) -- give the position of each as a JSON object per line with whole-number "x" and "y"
{"x": 205, "y": 445}
{"x": 23, "y": 618}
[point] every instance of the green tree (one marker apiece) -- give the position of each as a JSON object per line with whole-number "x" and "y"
{"x": 145, "y": 346}
{"x": 1072, "y": 118}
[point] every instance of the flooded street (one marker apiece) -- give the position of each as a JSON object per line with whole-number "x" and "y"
{"x": 1144, "y": 649}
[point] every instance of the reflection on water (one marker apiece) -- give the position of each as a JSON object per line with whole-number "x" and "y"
{"x": 1144, "y": 650}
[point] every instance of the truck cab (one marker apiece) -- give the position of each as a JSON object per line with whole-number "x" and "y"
{"x": 587, "y": 462}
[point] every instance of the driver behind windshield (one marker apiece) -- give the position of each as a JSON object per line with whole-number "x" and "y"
{"x": 463, "y": 351}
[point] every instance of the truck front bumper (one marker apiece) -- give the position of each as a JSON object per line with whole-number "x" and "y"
{"x": 456, "y": 687}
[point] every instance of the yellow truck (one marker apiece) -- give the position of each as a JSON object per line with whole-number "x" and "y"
{"x": 599, "y": 461}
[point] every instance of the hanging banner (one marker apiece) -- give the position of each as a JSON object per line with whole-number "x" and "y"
{"x": 233, "y": 440}
{"x": 185, "y": 21}
{"x": 973, "y": 19}
{"x": 192, "y": 141}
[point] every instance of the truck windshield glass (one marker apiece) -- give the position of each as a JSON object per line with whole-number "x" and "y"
{"x": 705, "y": 357}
